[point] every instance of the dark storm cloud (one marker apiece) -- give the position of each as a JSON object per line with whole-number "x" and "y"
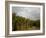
{"x": 27, "y": 12}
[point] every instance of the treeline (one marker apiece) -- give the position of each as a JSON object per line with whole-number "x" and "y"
{"x": 21, "y": 23}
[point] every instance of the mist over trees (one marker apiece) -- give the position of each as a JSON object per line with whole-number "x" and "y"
{"x": 21, "y": 23}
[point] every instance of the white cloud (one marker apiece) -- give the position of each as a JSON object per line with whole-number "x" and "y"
{"x": 27, "y": 12}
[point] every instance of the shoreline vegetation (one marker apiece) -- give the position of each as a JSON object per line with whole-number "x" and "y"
{"x": 21, "y": 23}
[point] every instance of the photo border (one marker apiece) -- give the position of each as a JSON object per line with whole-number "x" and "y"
{"x": 30, "y": 31}
{"x": 7, "y": 18}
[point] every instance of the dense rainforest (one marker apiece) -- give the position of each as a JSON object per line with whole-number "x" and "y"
{"x": 21, "y": 23}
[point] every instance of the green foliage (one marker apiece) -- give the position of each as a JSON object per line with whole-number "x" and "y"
{"x": 21, "y": 23}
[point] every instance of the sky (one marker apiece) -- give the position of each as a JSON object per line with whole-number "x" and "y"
{"x": 32, "y": 13}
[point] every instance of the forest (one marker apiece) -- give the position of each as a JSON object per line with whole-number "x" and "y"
{"x": 21, "y": 23}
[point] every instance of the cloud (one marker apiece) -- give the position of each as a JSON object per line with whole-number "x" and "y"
{"x": 27, "y": 12}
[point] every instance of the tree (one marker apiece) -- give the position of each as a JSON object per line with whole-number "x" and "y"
{"x": 13, "y": 22}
